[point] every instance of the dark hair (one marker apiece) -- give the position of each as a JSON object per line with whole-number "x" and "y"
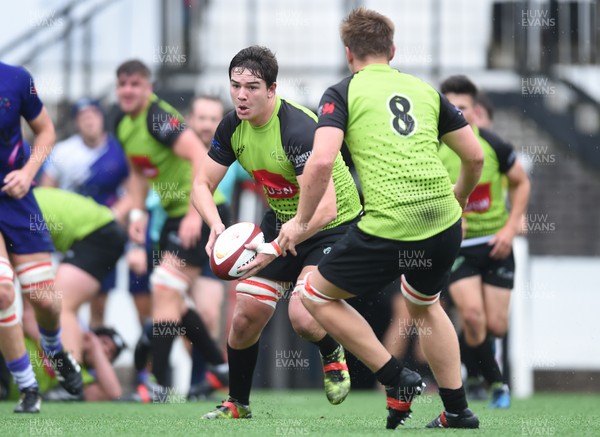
{"x": 459, "y": 84}
{"x": 114, "y": 336}
{"x": 134, "y": 66}
{"x": 367, "y": 33}
{"x": 259, "y": 60}
{"x": 484, "y": 101}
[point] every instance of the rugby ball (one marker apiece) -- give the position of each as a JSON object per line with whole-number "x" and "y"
{"x": 229, "y": 253}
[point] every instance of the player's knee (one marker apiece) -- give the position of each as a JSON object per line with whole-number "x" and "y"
{"x": 302, "y": 322}
{"x": 498, "y": 326}
{"x": 7, "y": 295}
{"x": 8, "y": 307}
{"x": 244, "y": 324}
{"x": 47, "y": 303}
{"x": 7, "y": 288}
{"x": 473, "y": 318}
{"x": 305, "y": 326}
{"x": 164, "y": 280}
{"x": 8, "y": 312}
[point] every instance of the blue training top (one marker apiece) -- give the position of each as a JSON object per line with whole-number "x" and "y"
{"x": 18, "y": 98}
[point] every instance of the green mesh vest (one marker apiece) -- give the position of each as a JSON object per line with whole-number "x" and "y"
{"x": 486, "y": 212}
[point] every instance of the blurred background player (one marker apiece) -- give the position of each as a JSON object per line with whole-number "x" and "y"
{"x": 272, "y": 138}
{"x": 93, "y": 163}
{"x": 209, "y": 293}
{"x": 483, "y": 274}
{"x": 391, "y": 123}
{"x": 25, "y": 242}
{"x": 101, "y": 347}
{"x": 162, "y": 151}
{"x": 92, "y": 242}
{"x": 484, "y": 111}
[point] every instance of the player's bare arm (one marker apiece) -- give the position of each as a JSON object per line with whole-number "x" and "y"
{"x": 317, "y": 172}
{"x": 296, "y": 231}
{"x": 121, "y": 208}
{"x": 137, "y": 190}
{"x": 18, "y": 182}
{"x": 107, "y": 384}
{"x": 189, "y": 146}
{"x": 464, "y": 143}
{"x": 48, "y": 181}
{"x": 209, "y": 174}
{"x": 518, "y": 192}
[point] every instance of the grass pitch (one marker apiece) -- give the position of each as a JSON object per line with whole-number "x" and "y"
{"x": 284, "y": 413}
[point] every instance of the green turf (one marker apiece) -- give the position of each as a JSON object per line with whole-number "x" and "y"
{"x": 283, "y": 413}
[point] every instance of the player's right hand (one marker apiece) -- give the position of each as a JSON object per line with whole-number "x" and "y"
{"x": 17, "y": 183}
{"x": 137, "y": 230}
{"x": 215, "y": 231}
{"x": 460, "y": 198}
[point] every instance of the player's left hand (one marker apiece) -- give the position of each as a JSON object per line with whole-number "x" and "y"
{"x": 17, "y": 183}
{"x": 502, "y": 243}
{"x": 267, "y": 252}
{"x": 189, "y": 229}
{"x": 289, "y": 236}
{"x": 137, "y": 260}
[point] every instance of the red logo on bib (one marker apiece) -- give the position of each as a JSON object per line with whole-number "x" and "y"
{"x": 276, "y": 186}
{"x": 142, "y": 161}
{"x": 480, "y": 199}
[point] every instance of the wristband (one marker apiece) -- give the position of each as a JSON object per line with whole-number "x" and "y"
{"x": 132, "y": 245}
{"x": 136, "y": 214}
{"x": 271, "y": 248}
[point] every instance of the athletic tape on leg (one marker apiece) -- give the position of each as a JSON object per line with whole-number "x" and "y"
{"x": 35, "y": 275}
{"x": 415, "y": 296}
{"x": 8, "y": 317}
{"x": 6, "y": 272}
{"x": 312, "y": 293}
{"x": 299, "y": 287}
{"x": 165, "y": 277}
{"x": 261, "y": 289}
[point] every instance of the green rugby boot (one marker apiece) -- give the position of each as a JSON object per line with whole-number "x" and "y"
{"x": 230, "y": 409}
{"x": 337, "y": 378}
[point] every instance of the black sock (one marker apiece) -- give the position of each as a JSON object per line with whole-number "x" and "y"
{"x": 389, "y": 374}
{"x": 455, "y": 400}
{"x": 484, "y": 356}
{"x": 467, "y": 356}
{"x": 163, "y": 335}
{"x": 196, "y": 331}
{"x": 143, "y": 348}
{"x": 326, "y": 345}
{"x": 241, "y": 368}
{"x": 4, "y": 379}
{"x": 505, "y": 361}
{"x": 198, "y": 366}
